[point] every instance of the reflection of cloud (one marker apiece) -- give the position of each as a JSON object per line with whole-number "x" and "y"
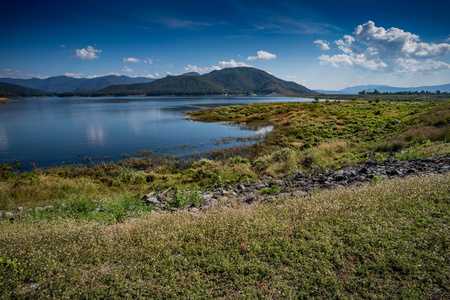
{"x": 3, "y": 139}
{"x": 95, "y": 135}
{"x": 264, "y": 130}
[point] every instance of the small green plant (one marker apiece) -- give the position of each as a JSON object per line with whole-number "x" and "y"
{"x": 377, "y": 178}
{"x": 273, "y": 189}
{"x": 79, "y": 205}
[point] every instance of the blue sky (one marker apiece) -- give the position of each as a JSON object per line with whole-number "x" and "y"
{"x": 320, "y": 44}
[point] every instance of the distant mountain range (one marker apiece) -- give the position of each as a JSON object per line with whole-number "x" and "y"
{"x": 61, "y": 84}
{"x": 233, "y": 81}
{"x": 14, "y": 90}
{"x": 388, "y": 89}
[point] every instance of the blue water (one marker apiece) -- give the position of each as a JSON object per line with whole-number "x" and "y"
{"x": 66, "y": 130}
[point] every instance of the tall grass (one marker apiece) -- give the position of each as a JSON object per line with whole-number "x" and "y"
{"x": 385, "y": 240}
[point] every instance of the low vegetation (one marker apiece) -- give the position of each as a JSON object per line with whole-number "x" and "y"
{"x": 384, "y": 240}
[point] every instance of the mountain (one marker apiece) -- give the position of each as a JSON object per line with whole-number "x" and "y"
{"x": 61, "y": 84}
{"x": 14, "y": 90}
{"x": 388, "y": 89}
{"x": 234, "y": 81}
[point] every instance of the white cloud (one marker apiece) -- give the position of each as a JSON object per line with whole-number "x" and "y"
{"x": 102, "y": 75}
{"x": 395, "y": 42}
{"x": 169, "y": 66}
{"x": 222, "y": 65}
{"x": 168, "y": 73}
{"x": 407, "y": 66}
{"x": 447, "y": 39}
{"x": 191, "y": 68}
{"x": 152, "y": 76}
{"x": 130, "y": 59}
{"x": 262, "y": 55}
{"x": 234, "y": 64}
{"x": 74, "y": 75}
{"x": 88, "y": 53}
{"x": 148, "y": 61}
{"x": 291, "y": 76}
{"x": 322, "y": 44}
{"x": 393, "y": 50}
{"x": 127, "y": 69}
{"x": 351, "y": 60}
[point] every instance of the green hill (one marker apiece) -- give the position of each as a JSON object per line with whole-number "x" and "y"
{"x": 234, "y": 81}
{"x": 14, "y": 90}
{"x": 62, "y": 84}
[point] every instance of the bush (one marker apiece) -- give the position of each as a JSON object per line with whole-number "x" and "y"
{"x": 79, "y": 205}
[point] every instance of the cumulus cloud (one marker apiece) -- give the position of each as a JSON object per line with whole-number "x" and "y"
{"x": 192, "y": 68}
{"x": 127, "y": 69}
{"x": 395, "y": 50}
{"x": 87, "y": 53}
{"x": 74, "y": 75}
{"x": 130, "y": 59}
{"x": 395, "y": 42}
{"x": 152, "y": 75}
{"x": 234, "y": 64}
{"x": 262, "y": 55}
{"x": 102, "y": 75}
{"x": 322, "y": 44}
{"x": 222, "y": 65}
{"x": 411, "y": 65}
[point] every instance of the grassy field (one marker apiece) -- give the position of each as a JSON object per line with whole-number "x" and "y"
{"x": 385, "y": 240}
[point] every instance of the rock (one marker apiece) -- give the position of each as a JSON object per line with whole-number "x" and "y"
{"x": 210, "y": 202}
{"x": 34, "y": 286}
{"x": 363, "y": 170}
{"x": 339, "y": 177}
{"x": 207, "y": 196}
{"x": 20, "y": 208}
{"x": 299, "y": 193}
{"x": 162, "y": 198}
{"x": 299, "y": 175}
{"x": 152, "y": 200}
{"x": 250, "y": 200}
{"x": 194, "y": 209}
{"x": 411, "y": 171}
{"x": 394, "y": 172}
{"x": 49, "y": 208}
{"x": 241, "y": 188}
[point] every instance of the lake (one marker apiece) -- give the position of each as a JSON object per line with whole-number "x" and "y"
{"x": 67, "y": 130}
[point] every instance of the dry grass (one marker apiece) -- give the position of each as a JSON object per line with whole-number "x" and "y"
{"x": 388, "y": 240}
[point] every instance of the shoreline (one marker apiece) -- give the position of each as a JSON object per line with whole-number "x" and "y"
{"x": 4, "y": 100}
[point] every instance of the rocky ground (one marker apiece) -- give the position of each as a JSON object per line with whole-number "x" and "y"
{"x": 270, "y": 190}
{"x": 300, "y": 184}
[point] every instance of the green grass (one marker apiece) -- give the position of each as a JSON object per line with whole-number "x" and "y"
{"x": 385, "y": 240}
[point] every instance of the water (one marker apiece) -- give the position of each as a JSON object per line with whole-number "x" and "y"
{"x": 66, "y": 130}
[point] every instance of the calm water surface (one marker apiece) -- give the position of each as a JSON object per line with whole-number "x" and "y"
{"x": 56, "y": 130}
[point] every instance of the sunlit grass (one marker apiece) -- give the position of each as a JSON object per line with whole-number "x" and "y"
{"x": 385, "y": 240}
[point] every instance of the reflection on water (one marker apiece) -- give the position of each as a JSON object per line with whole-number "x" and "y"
{"x": 95, "y": 135}
{"x": 55, "y": 130}
{"x": 3, "y": 139}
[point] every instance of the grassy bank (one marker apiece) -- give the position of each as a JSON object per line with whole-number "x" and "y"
{"x": 385, "y": 240}
{"x": 307, "y": 136}
{"x": 4, "y": 99}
